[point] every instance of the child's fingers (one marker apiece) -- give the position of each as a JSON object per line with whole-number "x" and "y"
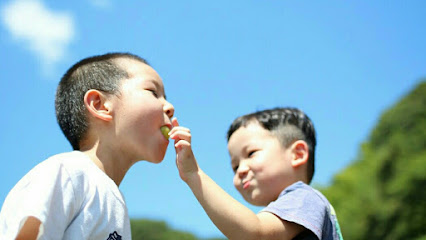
{"x": 182, "y": 144}
{"x": 180, "y": 133}
{"x": 179, "y": 129}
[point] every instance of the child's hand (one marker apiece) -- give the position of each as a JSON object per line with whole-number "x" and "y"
{"x": 185, "y": 160}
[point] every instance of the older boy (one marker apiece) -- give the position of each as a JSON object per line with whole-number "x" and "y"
{"x": 111, "y": 109}
{"x": 272, "y": 154}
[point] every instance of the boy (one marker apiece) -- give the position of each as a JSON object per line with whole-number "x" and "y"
{"x": 272, "y": 155}
{"x": 111, "y": 108}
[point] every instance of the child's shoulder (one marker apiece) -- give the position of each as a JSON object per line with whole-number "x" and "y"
{"x": 70, "y": 162}
{"x": 73, "y": 161}
{"x": 78, "y": 167}
{"x": 302, "y": 204}
{"x": 74, "y": 167}
{"x": 70, "y": 171}
{"x": 54, "y": 167}
{"x": 304, "y": 190}
{"x": 299, "y": 187}
{"x": 300, "y": 196}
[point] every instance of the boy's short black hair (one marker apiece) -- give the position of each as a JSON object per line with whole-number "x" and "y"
{"x": 288, "y": 124}
{"x": 99, "y": 72}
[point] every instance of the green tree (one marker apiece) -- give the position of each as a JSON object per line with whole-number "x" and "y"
{"x": 382, "y": 194}
{"x": 144, "y": 229}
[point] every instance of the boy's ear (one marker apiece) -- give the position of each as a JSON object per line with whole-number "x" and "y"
{"x": 300, "y": 153}
{"x": 96, "y": 103}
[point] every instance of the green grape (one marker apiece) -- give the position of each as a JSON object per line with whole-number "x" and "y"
{"x": 165, "y": 131}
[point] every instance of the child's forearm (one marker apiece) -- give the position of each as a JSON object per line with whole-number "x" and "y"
{"x": 232, "y": 218}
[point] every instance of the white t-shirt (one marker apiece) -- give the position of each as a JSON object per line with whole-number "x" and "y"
{"x": 73, "y": 199}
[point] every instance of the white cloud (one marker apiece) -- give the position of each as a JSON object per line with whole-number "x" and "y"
{"x": 45, "y": 32}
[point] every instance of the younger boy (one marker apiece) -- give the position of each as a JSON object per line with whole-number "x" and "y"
{"x": 272, "y": 155}
{"x": 111, "y": 108}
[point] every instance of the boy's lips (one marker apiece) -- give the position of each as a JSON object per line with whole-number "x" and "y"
{"x": 246, "y": 184}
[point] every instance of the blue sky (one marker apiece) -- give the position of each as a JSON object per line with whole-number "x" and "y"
{"x": 342, "y": 62}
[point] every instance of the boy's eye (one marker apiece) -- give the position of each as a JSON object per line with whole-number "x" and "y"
{"x": 250, "y": 153}
{"x": 153, "y": 92}
{"x": 235, "y": 168}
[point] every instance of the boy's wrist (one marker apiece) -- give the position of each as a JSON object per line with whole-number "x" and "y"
{"x": 193, "y": 179}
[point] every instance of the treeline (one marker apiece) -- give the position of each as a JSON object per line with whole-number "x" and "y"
{"x": 381, "y": 195}
{"x": 144, "y": 229}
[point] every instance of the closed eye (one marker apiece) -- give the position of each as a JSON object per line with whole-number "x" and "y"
{"x": 235, "y": 168}
{"x": 251, "y": 153}
{"x": 153, "y": 92}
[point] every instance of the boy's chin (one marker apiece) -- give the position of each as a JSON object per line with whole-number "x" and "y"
{"x": 256, "y": 201}
{"x": 159, "y": 161}
{"x": 155, "y": 161}
{"x": 250, "y": 200}
{"x": 157, "y": 158}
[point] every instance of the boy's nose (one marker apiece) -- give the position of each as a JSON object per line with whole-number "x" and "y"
{"x": 169, "y": 109}
{"x": 242, "y": 170}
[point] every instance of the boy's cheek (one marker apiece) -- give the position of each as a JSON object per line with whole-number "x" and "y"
{"x": 236, "y": 182}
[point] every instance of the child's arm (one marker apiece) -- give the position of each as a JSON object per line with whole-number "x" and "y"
{"x": 232, "y": 218}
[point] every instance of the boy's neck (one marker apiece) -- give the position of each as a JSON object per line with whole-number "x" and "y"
{"x": 114, "y": 167}
{"x": 298, "y": 175}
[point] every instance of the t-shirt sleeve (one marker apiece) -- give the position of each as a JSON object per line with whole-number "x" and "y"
{"x": 303, "y": 207}
{"x": 46, "y": 193}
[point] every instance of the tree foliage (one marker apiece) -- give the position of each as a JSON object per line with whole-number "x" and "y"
{"x": 382, "y": 194}
{"x": 144, "y": 229}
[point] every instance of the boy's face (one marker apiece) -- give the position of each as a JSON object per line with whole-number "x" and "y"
{"x": 140, "y": 111}
{"x": 261, "y": 164}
